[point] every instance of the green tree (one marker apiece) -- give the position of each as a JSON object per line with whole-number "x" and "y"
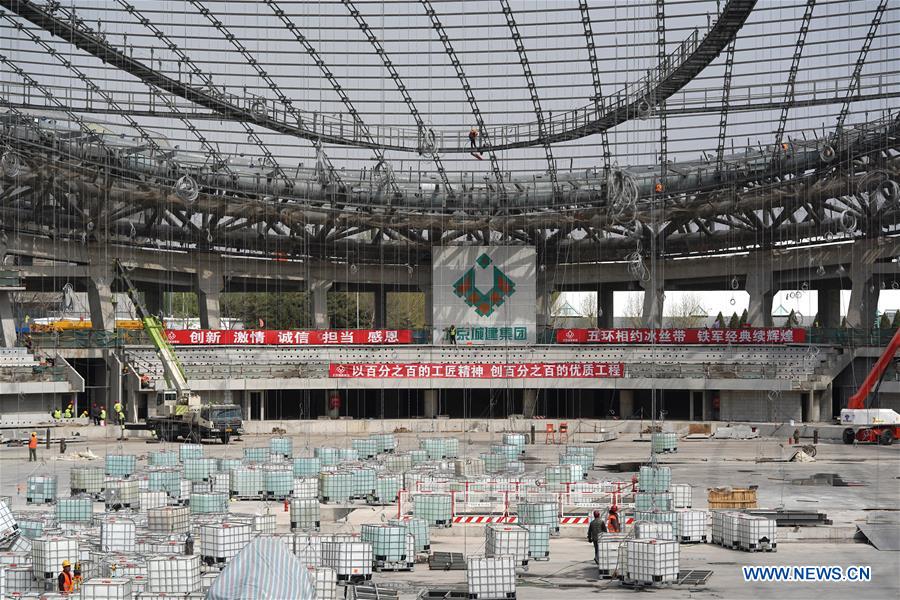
{"x": 720, "y": 320}
{"x": 791, "y": 319}
{"x": 744, "y": 318}
{"x": 844, "y": 323}
{"x": 884, "y": 322}
{"x": 182, "y": 305}
{"x": 270, "y": 310}
{"x": 896, "y": 322}
{"x": 351, "y": 310}
{"x": 735, "y": 321}
{"x": 406, "y": 310}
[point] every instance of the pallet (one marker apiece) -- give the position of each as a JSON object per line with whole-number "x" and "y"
{"x": 444, "y": 594}
{"x": 687, "y": 540}
{"x": 392, "y": 566}
{"x": 757, "y": 548}
{"x": 447, "y": 561}
{"x": 693, "y": 577}
{"x": 371, "y": 592}
{"x": 608, "y": 573}
{"x": 257, "y": 497}
{"x": 353, "y": 579}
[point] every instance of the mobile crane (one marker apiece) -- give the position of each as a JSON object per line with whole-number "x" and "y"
{"x": 870, "y": 425}
{"x": 180, "y": 412}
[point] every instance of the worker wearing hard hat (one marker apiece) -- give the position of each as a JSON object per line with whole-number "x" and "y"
{"x": 32, "y": 447}
{"x": 65, "y": 581}
{"x": 612, "y": 520}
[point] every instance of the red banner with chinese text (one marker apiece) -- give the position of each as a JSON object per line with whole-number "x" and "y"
{"x": 475, "y": 370}
{"x": 746, "y": 335}
{"x": 266, "y": 337}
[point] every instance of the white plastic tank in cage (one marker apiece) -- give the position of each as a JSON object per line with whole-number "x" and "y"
{"x": 491, "y": 577}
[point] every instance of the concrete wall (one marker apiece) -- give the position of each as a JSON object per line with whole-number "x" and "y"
{"x": 15, "y": 409}
{"x": 754, "y": 406}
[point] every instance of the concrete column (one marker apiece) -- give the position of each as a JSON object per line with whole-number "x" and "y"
{"x": 863, "y": 298}
{"x": 829, "y": 307}
{"x": 245, "y": 404}
{"x": 654, "y": 296}
{"x": 626, "y": 403}
{"x": 101, "y": 301}
{"x": 318, "y": 291}
{"x": 429, "y": 314}
{"x": 380, "y": 308}
{"x": 760, "y": 287}
{"x": 543, "y": 303}
{"x": 7, "y": 321}
{"x": 209, "y": 294}
{"x": 529, "y": 403}
{"x": 430, "y": 404}
{"x": 605, "y": 307}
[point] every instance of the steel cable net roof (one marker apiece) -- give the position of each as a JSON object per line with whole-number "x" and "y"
{"x": 325, "y": 122}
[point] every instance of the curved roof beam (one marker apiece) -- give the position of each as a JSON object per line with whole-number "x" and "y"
{"x": 75, "y": 118}
{"x": 345, "y": 99}
{"x": 88, "y": 82}
{"x": 428, "y": 147}
{"x": 595, "y": 77}
{"x": 533, "y": 91}
{"x": 207, "y": 80}
{"x": 746, "y": 167}
{"x": 219, "y": 163}
{"x": 792, "y": 73}
{"x": 857, "y": 68}
{"x": 467, "y": 89}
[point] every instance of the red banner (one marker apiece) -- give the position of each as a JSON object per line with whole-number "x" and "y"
{"x": 266, "y": 337}
{"x": 747, "y": 335}
{"x": 475, "y": 370}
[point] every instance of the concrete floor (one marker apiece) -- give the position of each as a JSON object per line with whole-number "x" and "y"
{"x": 570, "y": 572}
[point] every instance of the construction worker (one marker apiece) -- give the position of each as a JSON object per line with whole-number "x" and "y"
{"x": 612, "y": 520}
{"x": 84, "y": 414}
{"x": 32, "y": 448}
{"x": 77, "y": 579}
{"x": 65, "y": 582}
{"x": 473, "y": 135}
{"x": 68, "y": 413}
{"x": 57, "y": 414}
{"x": 117, "y": 407}
{"x": 597, "y": 527}
{"x": 103, "y": 416}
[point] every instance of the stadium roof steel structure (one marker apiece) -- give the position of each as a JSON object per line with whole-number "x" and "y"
{"x": 340, "y": 129}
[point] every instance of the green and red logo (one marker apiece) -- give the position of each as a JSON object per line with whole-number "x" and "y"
{"x": 484, "y": 303}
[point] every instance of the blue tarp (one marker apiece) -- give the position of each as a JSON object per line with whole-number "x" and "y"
{"x": 265, "y": 569}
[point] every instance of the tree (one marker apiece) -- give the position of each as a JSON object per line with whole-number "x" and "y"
{"x": 734, "y": 322}
{"x": 351, "y": 310}
{"x": 406, "y": 310}
{"x": 792, "y": 320}
{"x": 884, "y": 322}
{"x": 896, "y": 323}
{"x": 182, "y": 305}
{"x": 284, "y": 310}
{"x": 589, "y": 309}
{"x": 844, "y": 323}
{"x": 720, "y": 320}
{"x": 745, "y": 318}
{"x": 686, "y": 311}
{"x": 634, "y": 310}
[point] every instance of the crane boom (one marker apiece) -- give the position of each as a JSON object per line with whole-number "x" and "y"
{"x": 172, "y": 369}
{"x": 858, "y": 400}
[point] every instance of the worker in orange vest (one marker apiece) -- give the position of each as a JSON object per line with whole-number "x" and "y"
{"x": 612, "y": 520}
{"x": 65, "y": 581}
{"x": 32, "y": 448}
